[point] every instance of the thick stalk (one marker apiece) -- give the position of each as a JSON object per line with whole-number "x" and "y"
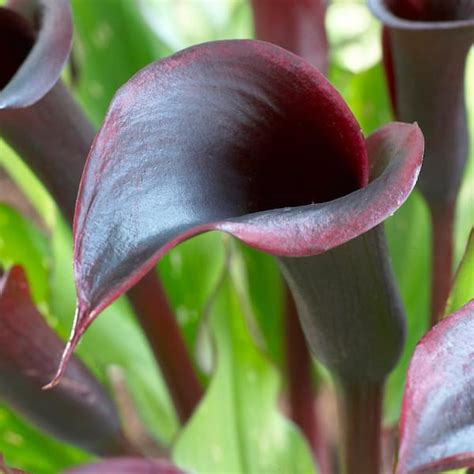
{"x": 53, "y": 137}
{"x": 360, "y": 408}
{"x": 301, "y": 387}
{"x": 442, "y": 222}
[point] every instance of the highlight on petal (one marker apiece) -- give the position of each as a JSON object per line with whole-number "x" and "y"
{"x": 33, "y": 54}
{"x": 127, "y": 466}
{"x": 437, "y": 423}
{"x": 238, "y": 136}
{"x": 78, "y": 410}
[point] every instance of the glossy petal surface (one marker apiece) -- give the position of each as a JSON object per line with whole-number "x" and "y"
{"x": 78, "y": 410}
{"x": 437, "y": 424}
{"x": 33, "y": 54}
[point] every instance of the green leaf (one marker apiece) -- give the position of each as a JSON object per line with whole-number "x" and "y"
{"x": 366, "y": 95}
{"x": 189, "y": 273}
{"x": 463, "y": 287}
{"x": 22, "y": 243}
{"x": 112, "y": 43}
{"x": 408, "y": 233}
{"x": 237, "y": 428}
{"x": 263, "y": 286}
{"x": 29, "y": 184}
{"x": 26, "y": 448}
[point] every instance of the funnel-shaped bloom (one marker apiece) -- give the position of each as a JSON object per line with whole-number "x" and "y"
{"x": 296, "y": 25}
{"x": 247, "y": 138}
{"x": 41, "y": 120}
{"x": 425, "y": 47}
{"x": 78, "y": 410}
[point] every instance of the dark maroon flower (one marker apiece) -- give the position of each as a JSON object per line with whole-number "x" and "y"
{"x": 437, "y": 423}
{"x": 425, "y": 47}
{"x": 247, "y": 138}
{"x": 78, "y": 410}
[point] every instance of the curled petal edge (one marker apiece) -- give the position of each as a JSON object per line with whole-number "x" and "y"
{"x": 47, "y": 57}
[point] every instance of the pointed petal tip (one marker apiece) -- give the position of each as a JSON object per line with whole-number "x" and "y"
{"x": 80, "y": 325}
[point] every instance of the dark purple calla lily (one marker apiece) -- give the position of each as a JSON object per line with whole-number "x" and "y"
{"x": 296, "y": 25}
{"x": 247, "y": 138}
{"x": 41, "y": 120}
{"x": 78, "y": 410}
{"x": 437, "y": 423}
{"x": 425, "y": 47}
{"x": 127, "y": 466}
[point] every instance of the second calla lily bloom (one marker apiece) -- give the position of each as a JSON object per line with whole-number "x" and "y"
{"x": 247, "y": 138}
{"x": 426, "y": 43}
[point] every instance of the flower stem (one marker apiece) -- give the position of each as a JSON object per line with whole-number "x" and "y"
{"x": 301, "y": 387}
{"x": 158, "y": 322}
{"x": 360, "y": 407}
{"x": 442, "y": 221}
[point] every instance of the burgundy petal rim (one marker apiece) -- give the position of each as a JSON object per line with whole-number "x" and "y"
{"x": 380, "y": 10}
{"x": 45, "y": 60}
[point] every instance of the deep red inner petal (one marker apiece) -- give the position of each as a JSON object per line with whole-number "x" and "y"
{"x": 432, "y": 10}
{"x": 16, "y": 41}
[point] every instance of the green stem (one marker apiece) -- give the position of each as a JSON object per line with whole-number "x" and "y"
{"x": 442, "y": 221}
{"x": 360, "y": 408}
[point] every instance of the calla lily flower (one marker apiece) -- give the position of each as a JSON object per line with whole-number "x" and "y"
{"x": 41, "y": 120}
{"x": 425, "y": 47}
{"x": 78, "y": 410}
{"x": 296, "y": 25}
{"x": 247, "y": 138}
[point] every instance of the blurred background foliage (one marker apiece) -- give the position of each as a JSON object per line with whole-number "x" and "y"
{"x": 227, "y": 298}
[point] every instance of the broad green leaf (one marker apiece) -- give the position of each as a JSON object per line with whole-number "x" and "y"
{"x": 22, "y": 243}
{"x": 408, "y": 235}
{"x": 28, "y": 183}
{"x": 365, "y": 94}
{"x": 237, "y": 428}
{"x": 264, "y": 289}
{"x": 463, "y": 287}
{"x": 190, "y": 273}
{"x": 112, "y": 43}
{"x": 114, "y": 339}
{"x": 25, "y": 447}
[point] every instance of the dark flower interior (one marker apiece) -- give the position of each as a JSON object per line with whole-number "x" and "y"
{"x": 432, "y": 10}
{"x": 16, "y": 41}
